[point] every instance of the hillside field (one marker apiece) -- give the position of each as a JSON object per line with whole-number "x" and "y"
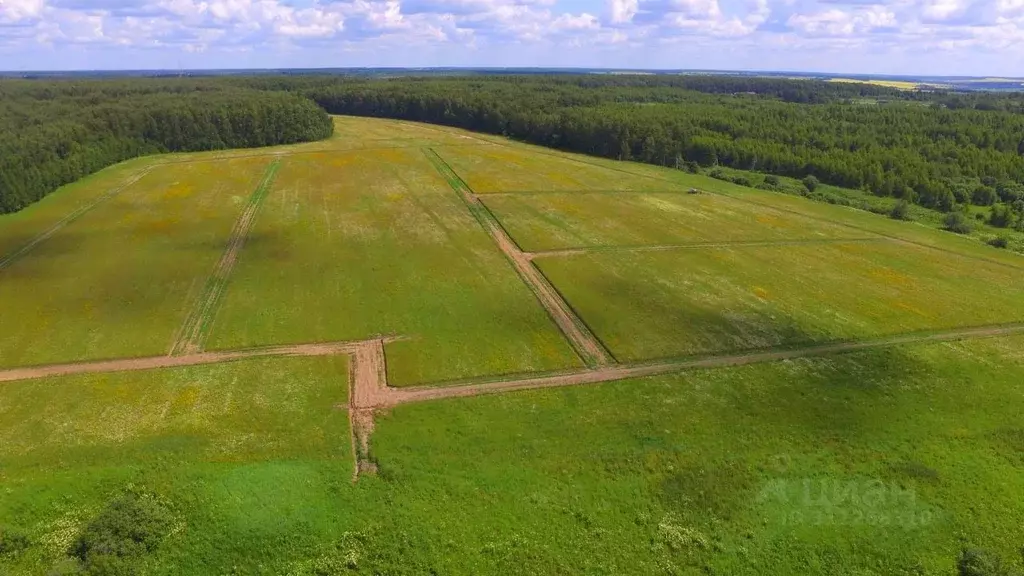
{"x": 412, "y": 349}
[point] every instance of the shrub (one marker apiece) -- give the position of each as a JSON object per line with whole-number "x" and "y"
{"x": 999, "y": 242}
{"x": 984, "y": 196}
{"x": 718, "y": 174}
{"x": 772, "y": 180}
{"x": 957, "y": 222}
{"x": 742, "y": 181}
{"x": 978, "y": 562}
{"x": 901, "y": 211}
{"x": 130, "y": 526}
{"x": 12, "y": 541}
{"x": 811, "y": 183}
{"x": 1001, "y": 216}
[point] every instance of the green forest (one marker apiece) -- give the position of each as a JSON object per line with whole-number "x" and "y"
{"x": 941, "y": 150}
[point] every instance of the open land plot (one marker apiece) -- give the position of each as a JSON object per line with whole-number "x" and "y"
{"x": 880, "y": 462}
{"x": 351, "y": 245}
{"x": 833, "y": 214}
{"x": 21, "y": 230}
{"x": 350, "y": 133}
{"x": 514, "y": 168}
{"x": 116, "y": 281}
{"x": 579, "y": 219}
{"x": 652, "y": 305}
{"x": 248, "y": 456}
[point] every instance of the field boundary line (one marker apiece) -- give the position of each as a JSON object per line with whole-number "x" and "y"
{"x": 582, "y": 340}
{"x": 200, "y": 358}
{"x": 6, "y": 261}
{"x": 574, "y": 251}
{"x": 405, "y": 395}
{"x": 566, "y": 156}
{"x": 194, "y": 330}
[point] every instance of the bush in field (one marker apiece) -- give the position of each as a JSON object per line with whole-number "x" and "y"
{"x": 901, "y": 211}
{"x": 718, "y": 174}
{"x": 12, "y": 542}
{"x": 978, "y": 562}
{"x": 130, "y": 526}
{"x": 999, "y": 242}
{"x": 742, "y": 181}
{"x": 811, "y": 183}
{"x": 957, "y": 222}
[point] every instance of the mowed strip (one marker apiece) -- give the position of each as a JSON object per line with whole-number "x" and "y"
{"x": 196, "y": 326}
{"x": 351, "y": 245}
{"x": 556, "y": 221}
{"x": 492, "y": 168}
{"x": 115, "y": 282}
{"x": 650, "y": 305}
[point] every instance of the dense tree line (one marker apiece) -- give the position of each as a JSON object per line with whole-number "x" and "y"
{"x": 56, "y": 132}
{"x": 938, "y": 149}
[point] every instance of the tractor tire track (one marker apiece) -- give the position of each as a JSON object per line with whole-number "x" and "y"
{"x": 11, "y": 258}
{"x": 583, "y": 341}
{"x": 696, "y": 246}
{"x": 193, "y": 332}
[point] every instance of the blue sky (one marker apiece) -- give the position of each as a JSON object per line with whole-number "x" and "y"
{"x": 941, "y": 37}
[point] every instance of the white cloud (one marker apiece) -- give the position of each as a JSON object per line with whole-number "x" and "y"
{"x": 719, "y": 33}
{"x": 12, "y": 11}
{"x": 837, "y": 22}
{"x": 622, "y": 11}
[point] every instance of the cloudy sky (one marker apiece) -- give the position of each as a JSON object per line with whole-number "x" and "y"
{"x": 951, "y": 37}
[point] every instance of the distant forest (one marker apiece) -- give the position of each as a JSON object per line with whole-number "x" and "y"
{"x": 937, "y": 149}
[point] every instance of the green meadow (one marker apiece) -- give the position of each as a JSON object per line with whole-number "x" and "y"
{"x": 386, "y": 249}
{"x": 118, "y": 280}
{"x": 578, "y": 219}
{"x": 885, "y": 461}
{"x": 648, "y": 305}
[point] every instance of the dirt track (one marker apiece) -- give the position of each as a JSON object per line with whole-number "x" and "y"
{"x": 404, "y": 395}
{"x": 192, "y": 332}
{"x": 153, "y": 362}
{"x": 582, "y": 340}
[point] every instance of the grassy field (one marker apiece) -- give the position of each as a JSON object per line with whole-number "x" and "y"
{"x": 248, "y": 456}
{"x": 886, "y": 461}
{"x": 907, "y": 455}
{"x": 579, "y": 219}
{"x": 116, "y": 282}
{"x": 388, "y": 248}
{"x": 71, "y": 201}
{"x": 499, "y": 168}
{"x": 681, "y": 302}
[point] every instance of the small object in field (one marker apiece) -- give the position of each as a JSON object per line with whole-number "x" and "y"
{"x": 694, "y": 191}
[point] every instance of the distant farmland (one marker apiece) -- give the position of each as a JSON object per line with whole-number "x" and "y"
{"x": 412, "y": 349}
